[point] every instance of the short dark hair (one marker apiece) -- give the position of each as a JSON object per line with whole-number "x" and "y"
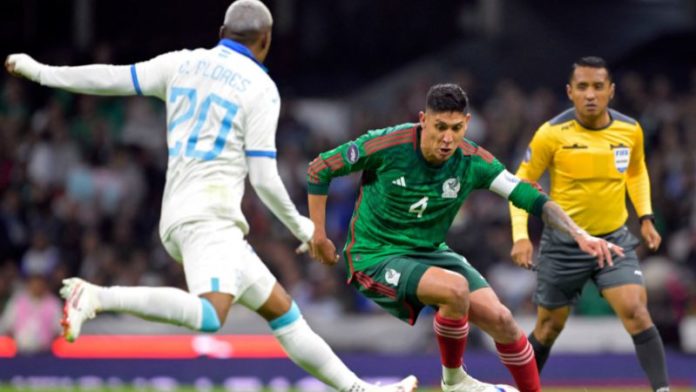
{"x": 447, "y": 97}
{"x": 591, "y": 62}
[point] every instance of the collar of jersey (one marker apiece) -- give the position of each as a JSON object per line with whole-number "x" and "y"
{"x": 241, "y": 49}
{"x": 611, "y": 121}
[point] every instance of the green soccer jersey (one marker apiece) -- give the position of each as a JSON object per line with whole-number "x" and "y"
{"x": 406, "y": 204}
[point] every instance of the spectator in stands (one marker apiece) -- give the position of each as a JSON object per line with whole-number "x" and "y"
{"x": 32, "y": 316}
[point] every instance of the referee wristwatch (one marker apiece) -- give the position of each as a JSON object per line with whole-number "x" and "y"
{"x": 645, "y": 217}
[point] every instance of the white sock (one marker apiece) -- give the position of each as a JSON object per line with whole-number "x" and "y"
{"x": 166, "y": 304}
{"x": 309, "y": 351}
{"x": 452, "y": 376}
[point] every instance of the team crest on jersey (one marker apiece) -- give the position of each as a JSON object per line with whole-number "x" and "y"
{"x": 353, "y": 153}
{"x": 622, "y": 155}
{"x": 392, "y": 277}
{"x": 450, "y": 188}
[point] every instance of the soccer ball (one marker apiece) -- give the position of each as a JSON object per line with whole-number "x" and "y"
{"x": 506, "y": 388}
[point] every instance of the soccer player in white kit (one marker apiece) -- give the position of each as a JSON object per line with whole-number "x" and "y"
{"x": 222, "y": 113}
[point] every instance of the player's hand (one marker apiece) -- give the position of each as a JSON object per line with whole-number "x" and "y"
{"x": 23, "y": 65}
{"x": 650, "y": 235}
{"x": 10, "y": 64}
{"x": 522, "y": 253}
{"x": 599, "y": 248}
{"x": 323, "y": 250}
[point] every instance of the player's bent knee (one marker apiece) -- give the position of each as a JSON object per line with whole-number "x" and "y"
{"x": 637, "y": 319}
{"x": 288, "y": 318}
{"x": 210, "y": 322}
{"x": 457, "y": 291}
{"x": 640, "y": 313}
{"x": 459, "y": 294}
{"x": 504, "y": 316}
{"x": 504, "y": 322}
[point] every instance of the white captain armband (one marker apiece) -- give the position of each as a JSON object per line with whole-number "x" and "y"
{"x": 504, "y": 183}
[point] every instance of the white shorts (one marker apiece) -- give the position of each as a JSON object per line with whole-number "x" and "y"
{"x": 217, "y": 258}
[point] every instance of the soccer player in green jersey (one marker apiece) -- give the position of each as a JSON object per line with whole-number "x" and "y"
{"x": 415, "y": 178}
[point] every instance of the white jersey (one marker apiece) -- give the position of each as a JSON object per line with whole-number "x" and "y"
{"x": 222, "y": 113}
{"x": 221, "y": 107}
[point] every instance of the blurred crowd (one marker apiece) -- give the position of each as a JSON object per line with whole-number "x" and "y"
{"x": 81, "y": 181}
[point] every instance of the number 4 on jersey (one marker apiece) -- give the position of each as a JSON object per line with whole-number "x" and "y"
{"x": 419, "y": 206}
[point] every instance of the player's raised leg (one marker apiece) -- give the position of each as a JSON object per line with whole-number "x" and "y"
{"x": 84, "y": 300}
{"x": 515, "y": 352}
{"x": 213, "y": 255}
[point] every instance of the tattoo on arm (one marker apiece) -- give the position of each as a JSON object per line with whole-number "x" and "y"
{"x": 554, "y": 216}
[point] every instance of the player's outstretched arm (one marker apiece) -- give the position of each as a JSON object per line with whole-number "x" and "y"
{"x": 321, "y": 248}
{"x": 23, "y": 65}
{"x": 553, "y": 215}
{"x": 98, "y": 79}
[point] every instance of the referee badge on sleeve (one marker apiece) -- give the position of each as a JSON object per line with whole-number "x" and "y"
{"x": 622, "y": 155}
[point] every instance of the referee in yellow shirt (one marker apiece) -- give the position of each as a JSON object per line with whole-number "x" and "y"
{"x": 594, "y": 155}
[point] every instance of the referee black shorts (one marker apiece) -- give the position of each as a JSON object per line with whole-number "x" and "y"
{"x": 563, "y": 268}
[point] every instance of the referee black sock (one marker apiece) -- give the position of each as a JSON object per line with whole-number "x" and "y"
{"x": 651, "y": 355}
{"x": 541, "y": 352}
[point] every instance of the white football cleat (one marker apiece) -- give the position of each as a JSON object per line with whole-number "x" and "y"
{"x": 470, "y": 384}
{"x": 506, "y": 388}
{"x": 408, "y": 384}
{"x": 81, "y": 304}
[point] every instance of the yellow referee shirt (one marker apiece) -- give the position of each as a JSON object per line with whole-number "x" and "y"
{"x": 590, "y": 170}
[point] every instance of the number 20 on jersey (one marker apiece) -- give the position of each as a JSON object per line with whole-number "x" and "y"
{"x": 200, "y": 112}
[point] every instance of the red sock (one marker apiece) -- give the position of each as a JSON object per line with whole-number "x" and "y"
{"x": 518, "y": 357}
{"x": 451, "y": 337}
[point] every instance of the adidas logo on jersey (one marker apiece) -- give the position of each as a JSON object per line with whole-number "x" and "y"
{"x": 401, "y": 181}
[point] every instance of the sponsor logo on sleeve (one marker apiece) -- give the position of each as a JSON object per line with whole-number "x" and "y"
{"x": 528, "y": 154}
{"x": 353, "y": 153}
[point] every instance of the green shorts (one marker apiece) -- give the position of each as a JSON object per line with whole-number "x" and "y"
{"x": 392, "y": 283}
{"x": 564, "y": 269}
